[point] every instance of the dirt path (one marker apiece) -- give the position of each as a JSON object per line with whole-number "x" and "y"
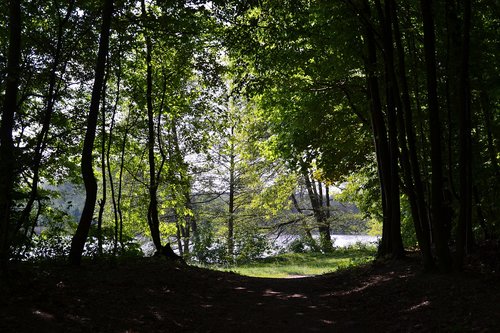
{"x": 154, "y": 296}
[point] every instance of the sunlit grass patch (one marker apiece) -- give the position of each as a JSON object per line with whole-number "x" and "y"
{"x": 302, "y": 264}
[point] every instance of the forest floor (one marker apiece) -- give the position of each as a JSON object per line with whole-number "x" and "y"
{"x": 155, "y": 295}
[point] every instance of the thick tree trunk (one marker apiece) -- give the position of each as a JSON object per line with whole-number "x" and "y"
{"x": 80, "y": 237}
{"x": 464, "y": 227}
{"x": 439, "y": 218}
{"x": 409, "y": 158}
{"x": 10, "y": 108}
{"x": 392, "y": 94}
{"x": 379, "y": 135}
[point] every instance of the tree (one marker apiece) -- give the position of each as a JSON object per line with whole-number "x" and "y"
{"x": 78, "y": 241}
{"x": 286, "y": 64}
{"x": 7, "y": 152}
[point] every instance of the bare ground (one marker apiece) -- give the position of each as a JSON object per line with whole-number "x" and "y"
{"x": 155, "y": 295}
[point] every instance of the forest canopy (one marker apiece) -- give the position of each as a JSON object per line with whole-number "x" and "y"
{"x": 212, "y": 124}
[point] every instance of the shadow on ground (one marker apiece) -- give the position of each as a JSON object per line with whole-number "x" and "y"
{"x": 152, "y": 295}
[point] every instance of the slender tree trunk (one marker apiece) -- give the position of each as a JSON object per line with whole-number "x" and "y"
{"x": 189, "y": 220}
{"x": 112, "y": 185}
{"x": 102, "y": 202}
{"x": 480, "y": 215}
{"x": 327, "y": 199}
{"x": 487, "y": 107}
{"x": 120, "y": 184}
{"x": 464, "y": 227}
{"x": 320, "y": 194}
{"x": 231, "y": 210}
{"x": 439, "y": 218}
{"x": 108, "y": 155}
{"x": 325, "y": 240}
{"x": 153, "y": 219}
{"x": 307, "y": 230}
{"x": 46, "y": 120}
{"x": 10, "y": 108}
{"x": 185, "y": 239}
{"x": 392, "y": 94}
{"x": 179, "y": 236}
{"x": 193, "y": 237}
{"x": 80, "y": 237}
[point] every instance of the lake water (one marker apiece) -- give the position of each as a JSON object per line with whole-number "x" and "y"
{"x": 347, "y": 240}
{"x": 283, "y": 241}
{"x": 337, "y": 240}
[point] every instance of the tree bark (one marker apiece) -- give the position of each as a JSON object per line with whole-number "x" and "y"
{"x": 153, "y": 219}
{"x": 50, "y": 102}
{"x": 80, "y": 237}
{"x": 392, "y": 94}
{"x": 439, "y": 218}
{"x": 464, "y": 227}
{"x": 102, "y": 202}
{"x": 10, "y": 108}
{"x": 307, "y": 230}
{"x": 487, "y": 108}
{"x": 379, "y": 133}
{"x": 325, "y": 240}
{"x": 231, "y": 211}
{"x": 108, "y": 155}
{"x": 409, "y": 158}
{"x": 120, "y": 183}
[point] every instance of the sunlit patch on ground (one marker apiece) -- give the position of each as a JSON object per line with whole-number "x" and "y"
{"x": 376, "y": 280}
{"x": 43, "y": 315}
{"x": 296, "y": 296}
{"x": 419, "y": 306}
{"x": 269, "y": 292}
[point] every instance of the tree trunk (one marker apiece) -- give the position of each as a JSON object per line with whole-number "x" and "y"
{"x": 487, "y": 107}
{"x": 307, "y": 230}
{"x": 231, "y": 211}
{"x": 439, "y": 218}
{"x": 153, "y": 219}
{"x": 112, "y": 185}
{"x": 120, "y": 184}
{"x": 325, "y": 240}
{"x": 480, "y": 215}
{"x": 392, "y": 93}
{"x": 327, "y": 199}
{"x": 464, "y": 226}
{"x": 108, "y": 155}
{"x": 179, "y": 236}
{"x": 10, "y": 108}
{"x": 379, "y": 134}
{"x": 50, "y": 102}
{"x": 189, "y": 220}
{"x": 102, "y": 202}
{"x": 409, "y": 158}
{"x": 80, "y": 237}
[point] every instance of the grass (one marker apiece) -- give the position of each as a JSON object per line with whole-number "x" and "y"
{"x": 302, "y": 264}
